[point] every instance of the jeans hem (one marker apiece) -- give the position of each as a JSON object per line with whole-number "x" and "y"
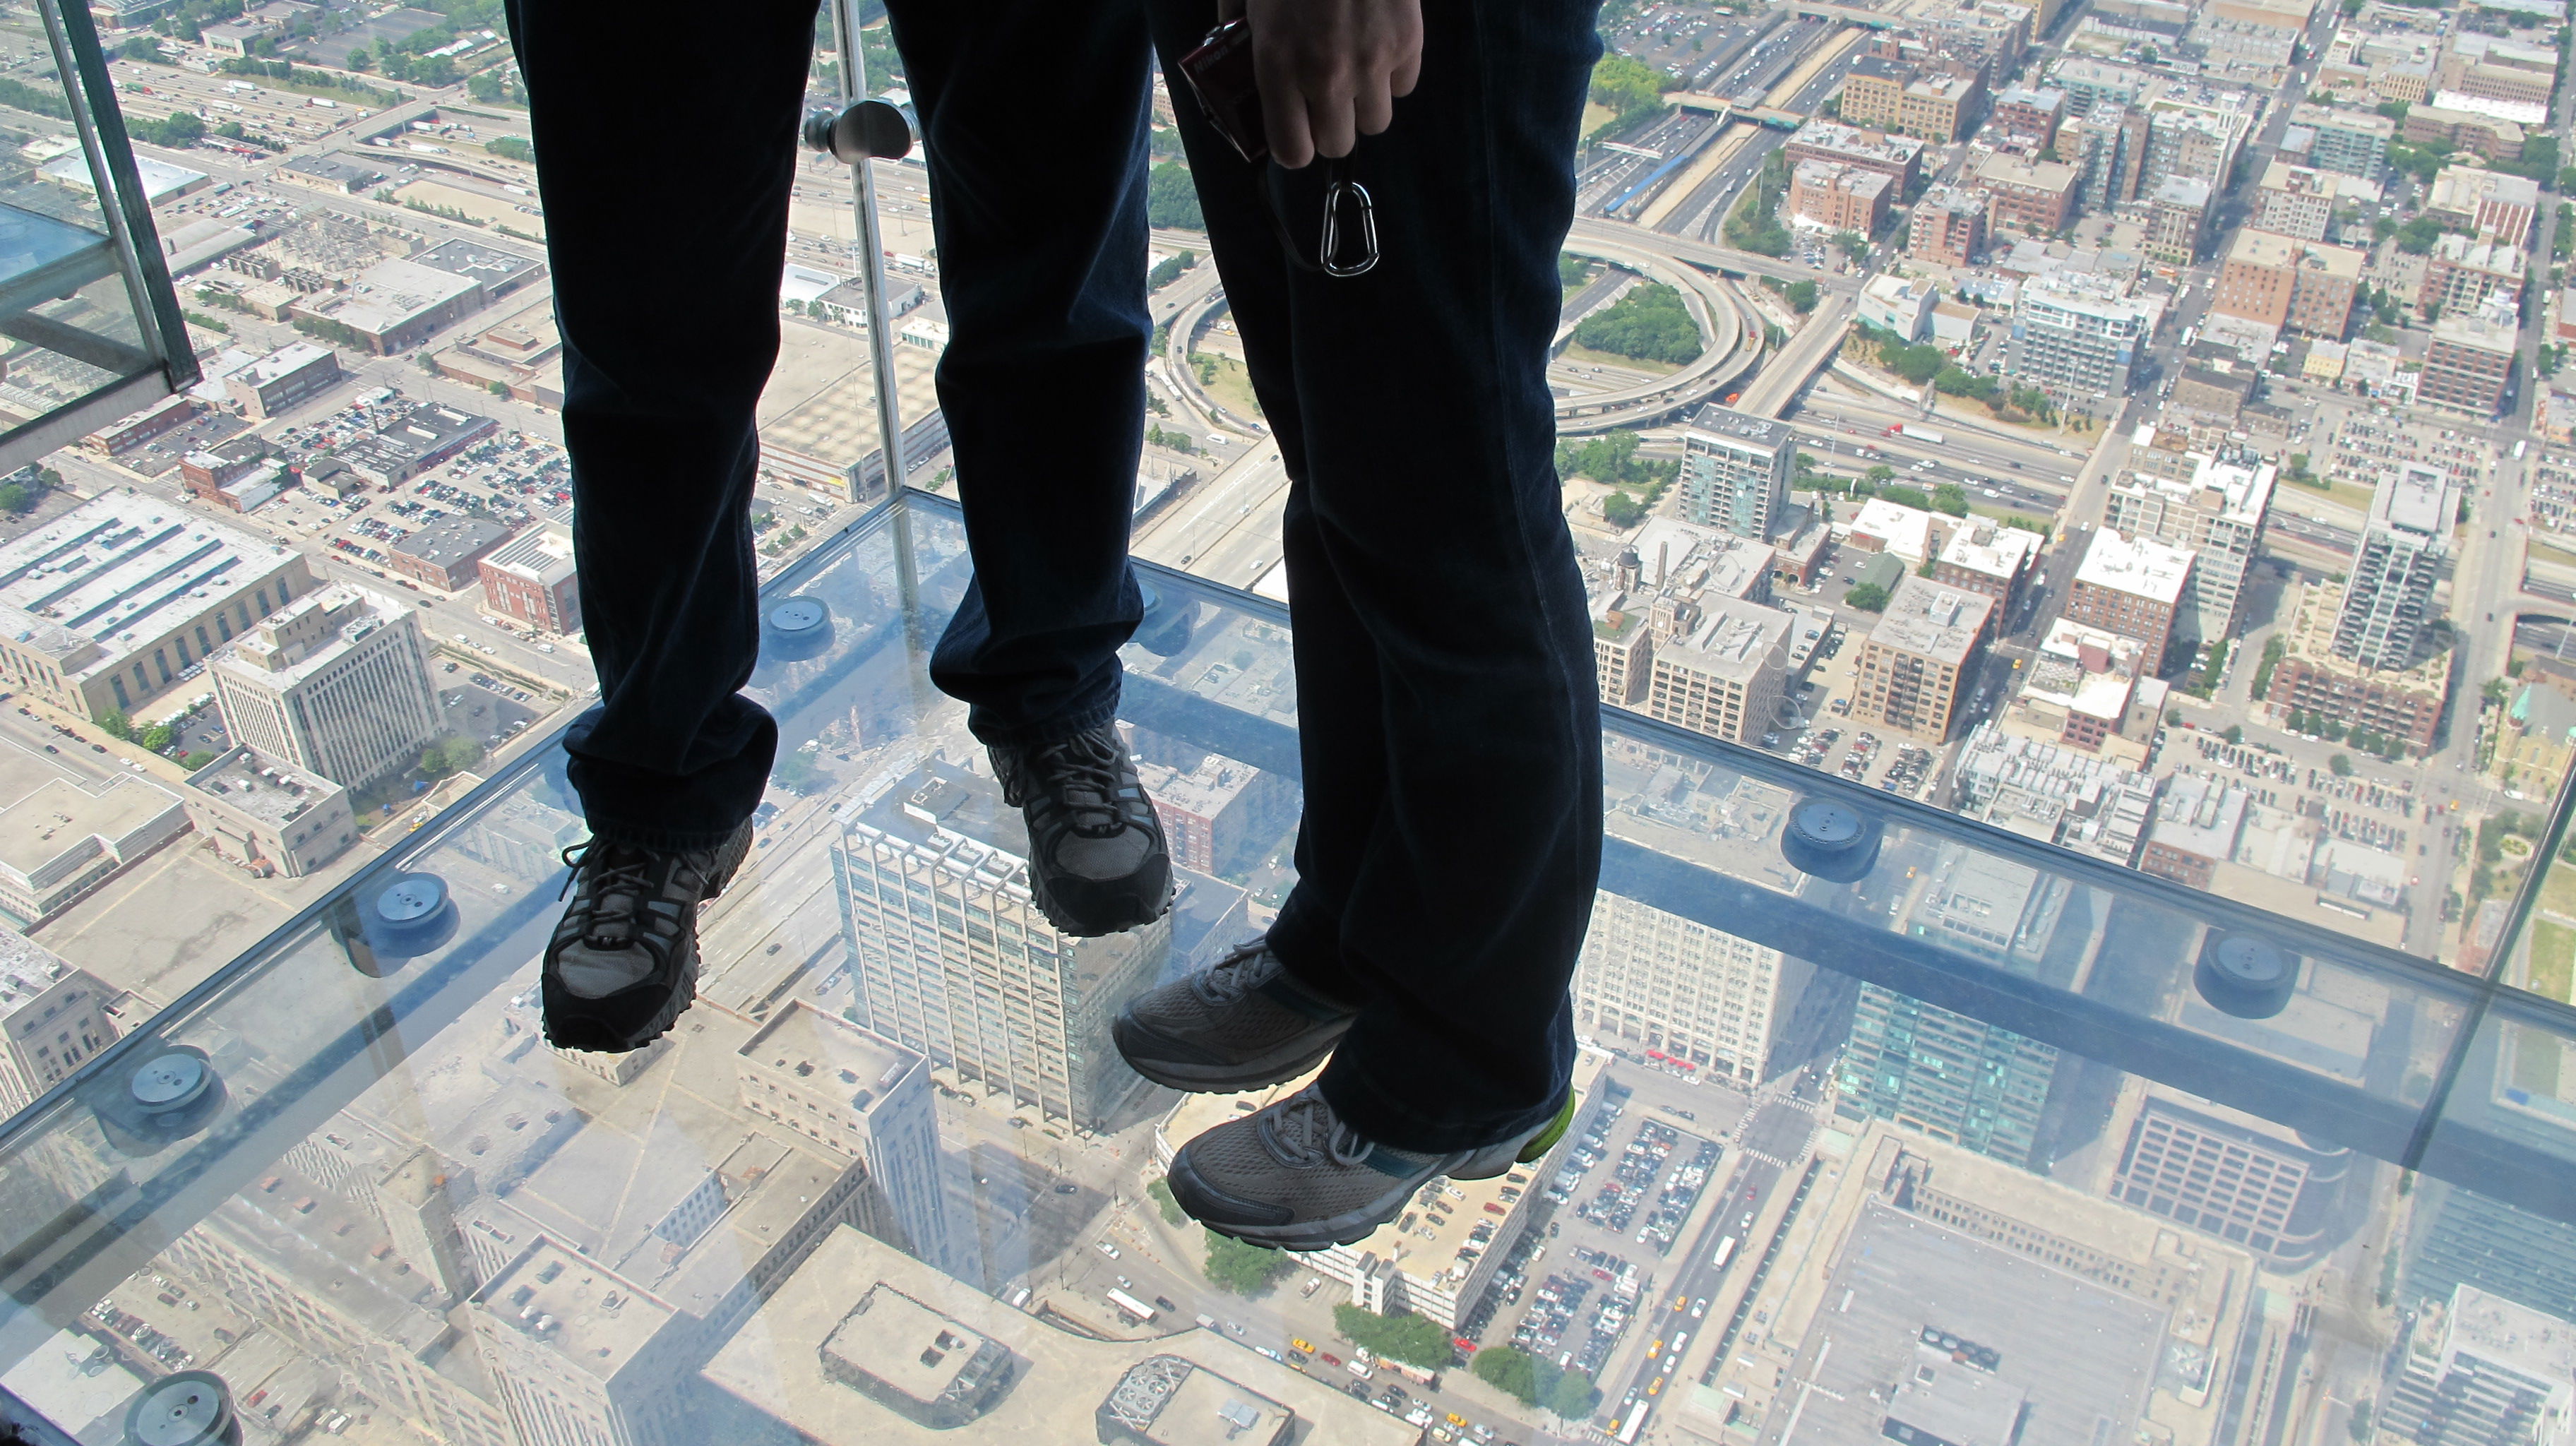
{"x": 662, "y": 840}
{"x": 1383, "y": 1119}
{"x": 1053, "y": 730}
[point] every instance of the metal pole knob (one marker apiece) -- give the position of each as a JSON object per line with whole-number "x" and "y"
{"x": 883, "y": 128}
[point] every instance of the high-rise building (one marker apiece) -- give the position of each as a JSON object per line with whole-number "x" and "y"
{"x": 2281, "y": 281}
{"x": 2481, "y": 1370}
{"x": 1735, "y": 471}
{"x": 336, "y": 683}
{"x": 1724, "y": 676}
{"x": 2403, "y": 548}
{"x": 2493, "y": 205}
{"x": 531, "y": 578}
{"x": 2177, "y": 220}
{"x": 1919, "y": 655}
{"x": 1948, "y": 227}
{"x": 1220, "y": 815}
{"x": 1959, "y": 1080}
{"x": 2109, "y": 146}
{"x": 2354, "y": 142}
{"x": 1986, "y": 557}
{"x": 2293, "y": 201}
{"x": 2218, "y": 514}
{"x": 2461, "y": 274}
{"x": 2468, "y": 365}
{"x": 2311, "y": 678}
{"x": 2036, "y": 198}
{"x": 863, "y": 1097}
{"x": 2132, "y": 586}
{"x": 953, "y": 960}
{"x": 2027, "y": 114}
{"x": 1661, "y": 982}
{"x": 114, "y": 603}
{"x": 2469, "y": 1239}
{"x": 53, "y": 1017}
{"x": 2233, "y": 1175}
{"x": 1873, "y": 92}
{"x": 1839, "y": 196}
{"x": 2082, "y": 801}
{"x": 2078, "y": 341}
{"x": 2085, "y": 690}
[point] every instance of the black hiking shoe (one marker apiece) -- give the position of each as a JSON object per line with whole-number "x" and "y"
{"x": 623, "y": 963}
{"x": 1097, "y": 862}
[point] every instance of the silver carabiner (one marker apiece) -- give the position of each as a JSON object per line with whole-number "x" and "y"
{"x": 1335, "y": 191}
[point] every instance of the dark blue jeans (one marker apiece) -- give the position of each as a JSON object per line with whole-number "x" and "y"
{"x": 1447, "y": 709}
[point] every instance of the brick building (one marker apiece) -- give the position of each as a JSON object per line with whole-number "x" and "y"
{"x": 1839, "y": 197}
{"x": 1948, "y": 227}
{"x": 2132, "y": 587}
{"x": 2468, "y": 365}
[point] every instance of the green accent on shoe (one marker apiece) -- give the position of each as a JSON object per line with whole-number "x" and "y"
{"x": 1545, "y": 1140}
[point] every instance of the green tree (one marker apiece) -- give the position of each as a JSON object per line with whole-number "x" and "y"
{"x": 2494, "y": 692}
{"x": 196, "y": 758}
{"x": 1906, "y": 495}
{"x": 1879, "y": 476}
{"x": 2341, "y": 764}
{"x": 796, "y": 772}
{"x": 2235, "y": 734}
{"x": 1512, "y": 1371}
{"x": 497, "y": 388}
{"x": 14, "y": 497}
{"x": 1628, "y": 86}
{"x": 1951, "y": 498}
{"x": 1246, "y": 1270}
{"x": 115, "y": 723}
{"x": 155, "y": 736}
{"x": 1403, "y": 1336}
{"x": 1572, "y": 270}
{"x": 1621, "y": 510}
{"x": 1869, "y": 597}
{"x": 1172, "y": 199}
{"x": 1161, "y": 1191}
{"x": 511, "y": 148}
{"x": 1650, "y": 323}
{"x": 1169, "y": 270}
{"x": 1573, "y": 1397}
{"x": 176, "y": 131}
{"x": 1851, "y": 244}
{"x": 143, "y": 47}
{"x": 1801, "y": 296}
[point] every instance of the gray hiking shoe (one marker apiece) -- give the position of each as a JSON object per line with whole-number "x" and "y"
{"x": 1239, "y": 1024}
{"x": 1294, "y": 1177}
{"x": 1097, "y": 861}
{"x": 623, "y": 962}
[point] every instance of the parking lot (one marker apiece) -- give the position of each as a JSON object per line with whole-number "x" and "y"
{"x": 1573, "y": 1291}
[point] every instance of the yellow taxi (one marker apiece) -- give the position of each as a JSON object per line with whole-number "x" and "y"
{"x": 1301, "y": 1345}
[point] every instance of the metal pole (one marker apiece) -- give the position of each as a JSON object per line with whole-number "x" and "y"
{"x": 863, "y": 182}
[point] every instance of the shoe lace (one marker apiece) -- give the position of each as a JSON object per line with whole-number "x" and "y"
{"x": 1304, "y": 1132}
{"x": 1237, "y": 974}
{"x": 616, "y": 890}
{"x": 1082, "y": 773}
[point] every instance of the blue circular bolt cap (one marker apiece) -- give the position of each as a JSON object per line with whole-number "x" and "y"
{"x": 410, "y": 916}
{"x": 2246, "y": 976}
{"x": 796, "y": 627}
{"x": 1830, "y": 839}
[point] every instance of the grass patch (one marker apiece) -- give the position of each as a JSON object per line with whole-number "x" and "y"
{"x": 1597, "y": 118}
{"x": 2558, "y": 891}
{"x": 1586, "y": 356}
{"x": 2535, "y": 1063}
{"x": 2549, "y": 552}
{"x": 1228, "y": 382}
{"x": 2553, "y": 959}
{"x": 2349, "y": 494}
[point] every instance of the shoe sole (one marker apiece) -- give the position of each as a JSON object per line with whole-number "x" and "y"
{"x": 1253, "y": 1074}
{"x": 1354, "y": 1226}
{"x": 1073, "y": 928}
{"x": 684, "y": 988}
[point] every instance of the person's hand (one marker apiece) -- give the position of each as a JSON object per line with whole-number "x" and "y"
{"x": 1329, "y": 70}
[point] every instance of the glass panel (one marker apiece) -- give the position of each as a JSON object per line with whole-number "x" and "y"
{"x": 85, "y": 304}
{"x": 1970, "y": 1121}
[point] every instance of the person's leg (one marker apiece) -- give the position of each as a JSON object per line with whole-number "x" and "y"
{"x": 1448, "y": 712}
{"x": 1034, "y": 116}
{"x": 667, "y": 246}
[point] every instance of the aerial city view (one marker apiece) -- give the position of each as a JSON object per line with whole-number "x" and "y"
{"x": 2135, "y": 426}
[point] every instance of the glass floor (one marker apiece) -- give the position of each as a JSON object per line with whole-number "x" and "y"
{"x": 1939, "y": 1134}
